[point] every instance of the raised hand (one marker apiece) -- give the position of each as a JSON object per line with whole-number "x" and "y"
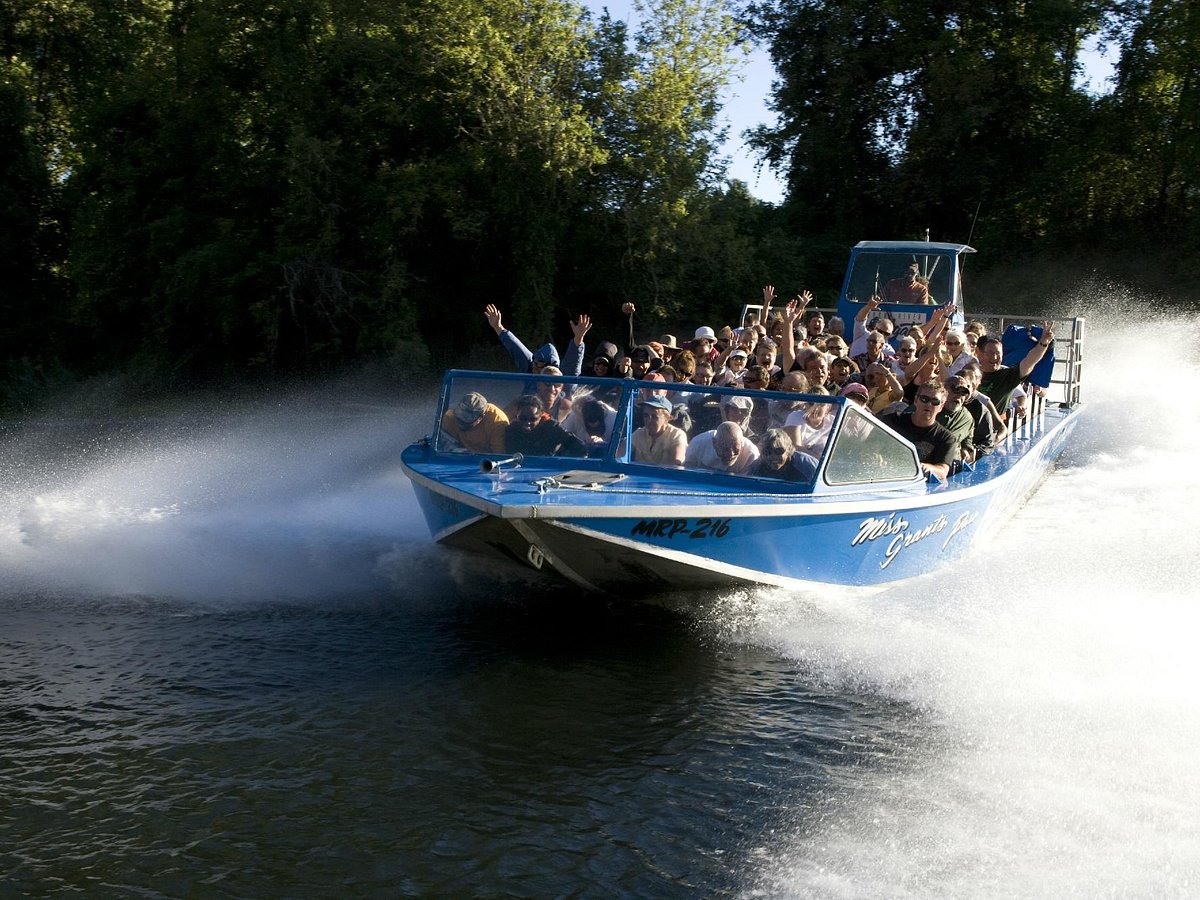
{"x": 791, "y": 312}
{"x": 581, "y": 328}
{"x": 628, "y": 309}
{"x": 493, "y": 317}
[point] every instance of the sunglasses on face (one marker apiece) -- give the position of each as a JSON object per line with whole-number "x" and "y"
{"x": 932, "y": 401}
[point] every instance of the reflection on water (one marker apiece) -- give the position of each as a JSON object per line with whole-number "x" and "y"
{"x": 387, "y": 747}
{"x": 232, "y": 664}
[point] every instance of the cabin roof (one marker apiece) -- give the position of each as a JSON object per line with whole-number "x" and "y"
{"x": 912, "y": 247}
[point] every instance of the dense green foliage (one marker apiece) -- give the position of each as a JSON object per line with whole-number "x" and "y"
{"x": 226, "y": 186}
{"x": 897, "y": 116}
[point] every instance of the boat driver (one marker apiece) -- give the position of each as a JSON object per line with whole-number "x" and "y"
{"x": 907, "y": 288}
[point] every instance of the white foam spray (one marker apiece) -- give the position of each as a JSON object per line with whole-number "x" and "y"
{"x": 300, "y": 496}
{"x": 1054, "y": 675}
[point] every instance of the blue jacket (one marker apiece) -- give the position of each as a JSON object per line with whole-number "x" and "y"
{"x": 523, "y": 359}
{"x": 1018, "y": 341}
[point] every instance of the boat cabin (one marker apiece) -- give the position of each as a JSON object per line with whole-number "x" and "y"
{"x": 912, "y": 278}
{"x": 874, "y": 265}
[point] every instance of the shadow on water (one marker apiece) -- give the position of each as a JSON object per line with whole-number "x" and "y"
{"x": 464, "y": 743}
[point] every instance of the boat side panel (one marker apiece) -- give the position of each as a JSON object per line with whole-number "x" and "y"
{"x": 444, "y": 515}
{"x": 836, "y": 549}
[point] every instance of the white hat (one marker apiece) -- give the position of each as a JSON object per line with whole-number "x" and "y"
{"x": 705, "y": 333}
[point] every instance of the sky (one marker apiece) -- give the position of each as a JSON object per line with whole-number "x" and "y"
{"x": 745, "y": 102}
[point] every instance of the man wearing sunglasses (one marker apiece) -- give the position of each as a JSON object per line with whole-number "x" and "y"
{"x": 957, "y": 420}
{"x": 936, "y": 447}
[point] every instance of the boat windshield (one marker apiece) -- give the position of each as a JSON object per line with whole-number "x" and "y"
{"x": 872, "y": 271}
{"x": 864, "y": 452}
{"x": 806, "y": 440}
{"x": 677, "y": 426}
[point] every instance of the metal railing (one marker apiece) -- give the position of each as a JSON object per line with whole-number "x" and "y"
{"x": 1067, "y": 377}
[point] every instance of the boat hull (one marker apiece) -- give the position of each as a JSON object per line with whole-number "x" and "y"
{"x": 713, "y": 542}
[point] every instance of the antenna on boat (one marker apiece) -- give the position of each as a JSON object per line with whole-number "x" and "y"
{"x": 487, "y": 466}
{"x": 974, "y": 219}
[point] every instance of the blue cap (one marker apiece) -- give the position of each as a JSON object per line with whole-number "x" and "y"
{"x": 658, "y": 402}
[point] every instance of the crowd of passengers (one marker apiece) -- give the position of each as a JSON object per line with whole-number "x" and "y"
{"x": 945, "y": 390}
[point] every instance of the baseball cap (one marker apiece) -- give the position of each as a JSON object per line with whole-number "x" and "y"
{"x": 854, "y": 388}
{"x": 658, "y": 402}
{"x": 470, "y": 408}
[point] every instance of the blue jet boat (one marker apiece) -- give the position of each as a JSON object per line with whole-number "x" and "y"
{"x": 864, "y": 515}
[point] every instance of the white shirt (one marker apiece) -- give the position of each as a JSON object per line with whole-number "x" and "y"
{"x": 811, "y": 439}
{"x": 701, "y": 455}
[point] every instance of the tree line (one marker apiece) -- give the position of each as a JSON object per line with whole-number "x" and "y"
{"x": 221, "y": 187}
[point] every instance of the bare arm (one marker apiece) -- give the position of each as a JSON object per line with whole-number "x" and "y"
{"x": 938, "y": 322}
{"x": 869, "y": 307}
{"x": 629, "y": 309}
{"x": 791, "y": 313}
{"x": 999, "y": 427}
{"x": 894, "y": 384}
{"x": 919, "y": 365}
{"x": 1038, "y": 350}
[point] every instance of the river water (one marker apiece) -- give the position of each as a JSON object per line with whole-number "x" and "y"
{"x": 232, "y": 664}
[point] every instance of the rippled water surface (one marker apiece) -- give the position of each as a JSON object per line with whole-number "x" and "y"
{"x": 232, "y": 664}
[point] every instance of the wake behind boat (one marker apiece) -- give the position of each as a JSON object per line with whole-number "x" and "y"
{"x": 854, "y": 508}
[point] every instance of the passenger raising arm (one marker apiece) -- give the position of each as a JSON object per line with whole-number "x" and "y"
{"x": 768, "y": 299}
{"x": 791, "y": 314}
{"x": 999, "y": 382}
{"x": 545, "y": 355}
